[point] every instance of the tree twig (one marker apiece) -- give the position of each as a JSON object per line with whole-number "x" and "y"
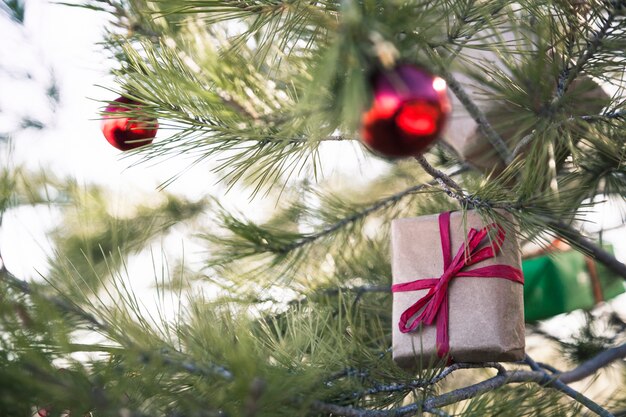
{"x": 523, "y": 142}
{"x": 60, "y": 303}
{"x": 548, "y": 367}
{"x": 436, "y": 411}
{"x": 612, "y": 115}
{"x": 432, "y": 404}
{"x": 556, "y": 383}
{"x": 592, "y": 365}
{"x": 378, "y": 205}
{"x": 419, "y": 383}
{"x": 438, "y": 175}
{"x": 538, "y": 375}
{"x": 560, "y": 228}
{"x": 478, "y": 115}
{"x": 567, "y": 75}
{"x": 104, "y": 328}
{"x": 615, "y": 114}
{"x": 597, "y": 252}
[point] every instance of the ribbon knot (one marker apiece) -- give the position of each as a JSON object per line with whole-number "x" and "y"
{"x": 480, "y": 244}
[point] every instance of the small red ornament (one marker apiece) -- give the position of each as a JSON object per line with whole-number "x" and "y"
{"x": 409, "y": 111}
{"x": 42, "y": 412}
{"x": 127, "y": 133}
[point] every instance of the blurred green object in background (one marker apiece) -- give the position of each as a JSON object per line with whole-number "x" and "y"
{"x": 560, "y": 282}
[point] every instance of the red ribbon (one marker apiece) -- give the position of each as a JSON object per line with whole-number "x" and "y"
{"x": 434, "y": 304}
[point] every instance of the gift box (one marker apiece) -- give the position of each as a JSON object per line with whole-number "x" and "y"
{"x": 514, "y": 121}
{"x": 564, "y": 281}
{"x": 457, "y": 290}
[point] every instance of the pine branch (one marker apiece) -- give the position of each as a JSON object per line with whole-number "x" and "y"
{"x": 178, "y": 360}
{"x": 357, "y": 290}
{"x": 461, "y": 32}
{"x": 436, "y": 411}
{"x": 521, "y": 145}
{"x": 562, "y": 229}
{"x": 61, "y": 304}
{"x": 442, "y": 178}
{"x": 171, "y": 358}
{"x": 376, "y": 206}
{"x": 591, "y": 118}
{"x": 615, "y": 114}
{"x": 557, "y": 383}
{"x": 587, "y": 245}
{"x": 431, "y": 405}
{"x": 538, "y": 376}
{"x": 379, "y": 205}
{"x": 548, "y": 367}
{"x": 515, "y": 377}
{"x": 408, "y": 387}
{"x": 273, "y": 24}
{"x": 478, "y": 115}
{"x": 567, "y": 75}
{"x": 15, "y": 9}
{"x": 592, "y": 365}
{"x": 127, "y": 18}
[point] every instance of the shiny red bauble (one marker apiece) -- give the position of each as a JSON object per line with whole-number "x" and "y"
{"x": 126, "y": 132}
{"x": 408, "y": 113}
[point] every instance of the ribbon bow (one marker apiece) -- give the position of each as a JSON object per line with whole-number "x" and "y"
{"x": 434, "y": 305}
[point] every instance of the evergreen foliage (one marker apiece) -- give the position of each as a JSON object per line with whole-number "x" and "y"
{"x": 291, "y": 313}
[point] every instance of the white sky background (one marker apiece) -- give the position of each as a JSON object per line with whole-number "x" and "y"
{"x": 65, "y": 39}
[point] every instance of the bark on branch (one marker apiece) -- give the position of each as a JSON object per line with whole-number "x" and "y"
{"x": 562, "y": 229}
{"x": 537, "y": 375}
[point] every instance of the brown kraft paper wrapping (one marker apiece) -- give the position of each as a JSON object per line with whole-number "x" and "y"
{"x": 486, "y": 314}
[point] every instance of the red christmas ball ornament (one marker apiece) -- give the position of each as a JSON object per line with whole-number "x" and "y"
{"x": 124, "y": 132}
{"x": 408, "y": 113}
{"x": 42, "y": 412}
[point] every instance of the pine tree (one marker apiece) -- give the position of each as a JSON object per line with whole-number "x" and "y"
{"x": 290, "y": 313}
